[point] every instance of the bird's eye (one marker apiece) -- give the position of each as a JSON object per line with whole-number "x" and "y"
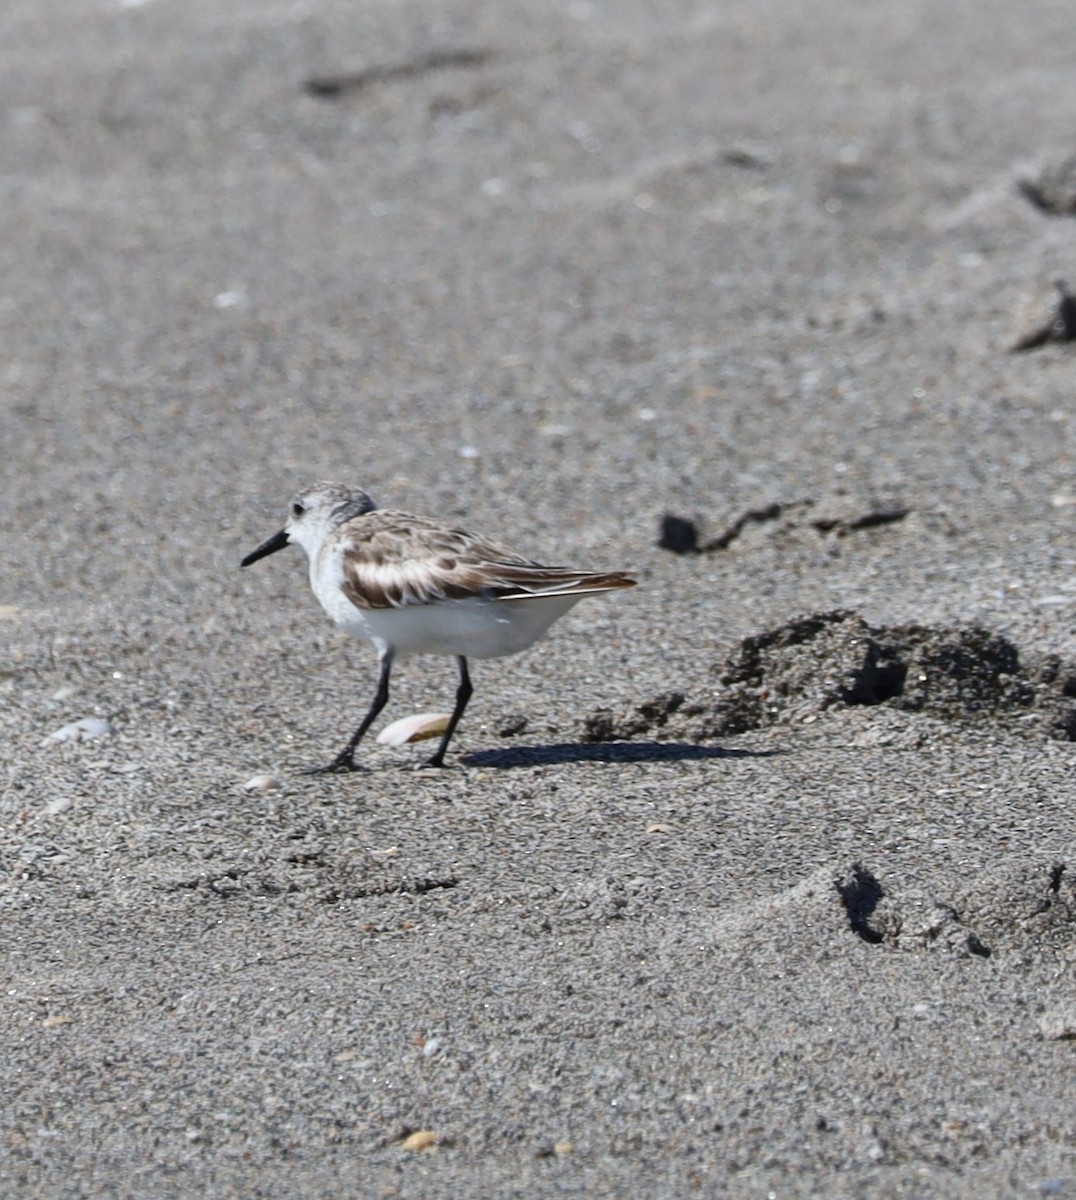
{"x": 297, "y": 509}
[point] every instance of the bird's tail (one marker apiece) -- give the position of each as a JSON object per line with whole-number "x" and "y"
{"x": 570, "y": 583}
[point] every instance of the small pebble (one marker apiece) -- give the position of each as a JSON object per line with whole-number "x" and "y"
{"x": 59, "y": 805}
{"x": 81, "y": 731}
{"x": 1062, "y": 1186}
{"x": 230, "y": 300}
{"x": 1059, "y": 1023}
{"x": 262, "y": 783}
{"x": 421, "y": 1139}
{"x": 510, "y": 725}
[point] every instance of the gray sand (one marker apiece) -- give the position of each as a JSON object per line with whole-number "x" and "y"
{"x": 551, "y": 270}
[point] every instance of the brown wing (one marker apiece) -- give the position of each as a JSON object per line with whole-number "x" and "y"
{"x": 391, "y": 559}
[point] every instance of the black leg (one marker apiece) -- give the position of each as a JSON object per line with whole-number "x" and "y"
{"x": 345, "y": 760}
{"x": 463, "y": 694}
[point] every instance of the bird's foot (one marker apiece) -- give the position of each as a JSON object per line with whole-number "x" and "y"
{"x": 342, "y": 764}
{"x": 438, "y": 761}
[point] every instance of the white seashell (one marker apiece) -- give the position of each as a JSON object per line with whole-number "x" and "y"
{"x": 81, "y": 731}
{"x": 262, "y": 783}
{"x": 414, "y": 728}
{"x": 230, "y": 300}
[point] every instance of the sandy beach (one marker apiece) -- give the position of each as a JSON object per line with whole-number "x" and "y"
{"x": 758, "y": 880}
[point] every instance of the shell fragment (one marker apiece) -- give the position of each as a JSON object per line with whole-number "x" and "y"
{"x": 81, "y": 731}
{"x": 415, "y": 728}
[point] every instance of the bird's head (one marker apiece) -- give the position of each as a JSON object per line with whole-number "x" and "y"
{"x": 314, "y": 513}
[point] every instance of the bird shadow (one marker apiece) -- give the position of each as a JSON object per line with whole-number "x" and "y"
{"x": 611, "y": 752}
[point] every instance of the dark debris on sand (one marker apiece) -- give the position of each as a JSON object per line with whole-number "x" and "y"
{"x": 824, "y": 661}
{"x": 1026, "y": 902}
{"x": 1061, "y": 326}
{"x": 836, "y": 516}
{"x": 1053, "y": 188}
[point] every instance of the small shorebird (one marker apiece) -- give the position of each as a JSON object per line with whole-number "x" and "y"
{"x": 412, "y": 585}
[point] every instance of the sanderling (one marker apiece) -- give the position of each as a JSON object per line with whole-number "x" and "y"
{"x": 412, "y": 585}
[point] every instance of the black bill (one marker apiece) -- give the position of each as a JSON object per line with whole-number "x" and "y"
{"x": 277, "y": 542}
